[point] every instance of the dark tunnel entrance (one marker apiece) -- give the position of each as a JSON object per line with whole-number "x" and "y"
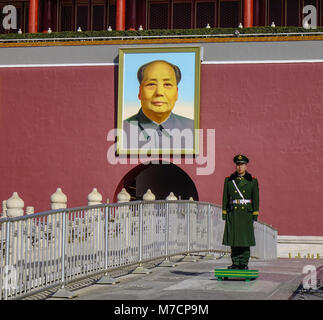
{"x": 161, "y": 179}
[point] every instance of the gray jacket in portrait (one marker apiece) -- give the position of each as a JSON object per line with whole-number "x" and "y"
{"x": 177, "y": 132}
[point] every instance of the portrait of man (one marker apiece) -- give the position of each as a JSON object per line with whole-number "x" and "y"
{"x": 155, "y": 122}
{"x": 150, "y": 122}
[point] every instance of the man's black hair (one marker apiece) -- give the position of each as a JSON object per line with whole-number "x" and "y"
{"x": 140, "y": 73}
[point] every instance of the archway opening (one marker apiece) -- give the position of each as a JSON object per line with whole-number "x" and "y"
{"x": 161, "y": 179}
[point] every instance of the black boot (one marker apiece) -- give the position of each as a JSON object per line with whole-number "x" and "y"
{"x": 234, "y": 266}
{"x": 243, "y": 267}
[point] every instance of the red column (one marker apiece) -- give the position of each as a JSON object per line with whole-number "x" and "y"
{"x": 47, "y": 15}
{"x": 121, "y": 15}
{"x": 141, "y": 14}
{"x": 262, "y": 12}
{"x": 248, "y": 14}
{"x": 256, "y": 9}
{"x": 131, "y": 15}
{"x": 33, "y": 16}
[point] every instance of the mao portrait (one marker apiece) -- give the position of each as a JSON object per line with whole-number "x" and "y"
{"x": 158, "y": 100}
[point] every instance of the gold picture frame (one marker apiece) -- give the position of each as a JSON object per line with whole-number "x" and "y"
{"x": 178, "y": 134}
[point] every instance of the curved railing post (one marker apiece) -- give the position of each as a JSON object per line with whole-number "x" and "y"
{"x": 166, "y": 262}
{"x": 167, "y": 230}
{"x": 7, "y": 253}
{"x": 106, "y": 236}
{"x": 209, "y": 230}
{"x": 63, "y": 292}
{"x": 188, "y": 257}
{"x": 105, "y": 279}
{"x": 209, "y": 227}
{"x": 140, "y": 269}
{"x": 265, "y": 233}
{"x": 63, "y": 250}
{"x": 188, "y": 228}
{"x": 140, "y": 233}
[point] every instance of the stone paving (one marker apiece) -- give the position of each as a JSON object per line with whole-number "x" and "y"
{"x": 278, "y": 280}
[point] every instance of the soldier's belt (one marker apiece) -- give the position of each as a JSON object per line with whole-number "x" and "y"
{"x": 242, "y": 201}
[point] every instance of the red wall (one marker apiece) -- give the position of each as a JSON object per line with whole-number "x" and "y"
{"x": 54, "y": 123}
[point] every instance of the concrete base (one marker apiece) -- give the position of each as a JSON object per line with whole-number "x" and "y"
{"x": 300, "y": 247}
{"x": 167, "y": 263}
{"x": 107, "y": 280}
{"x": 189, "y": 258}
{"x": 278, "y": 279}
{"x": 141, "y": 270}
{"x": 208, "y": 256}
{"x": 63, "y": 293}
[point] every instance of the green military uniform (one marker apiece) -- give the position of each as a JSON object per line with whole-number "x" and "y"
{"x": 239, "y": 215}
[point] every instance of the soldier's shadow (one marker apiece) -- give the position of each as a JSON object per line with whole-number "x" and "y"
{"x": 187, "y": 273}
{"x": 233, "y": 280}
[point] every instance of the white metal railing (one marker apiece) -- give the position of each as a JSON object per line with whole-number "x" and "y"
{"x": 53, "y": 248}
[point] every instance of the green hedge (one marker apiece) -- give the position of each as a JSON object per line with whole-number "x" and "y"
{"x": 162, "y": 32}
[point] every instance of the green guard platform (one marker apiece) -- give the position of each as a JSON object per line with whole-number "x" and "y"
{"x": 236, "y": 273}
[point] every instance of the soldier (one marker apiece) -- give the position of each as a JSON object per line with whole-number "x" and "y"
{"x": 240, "y": 207}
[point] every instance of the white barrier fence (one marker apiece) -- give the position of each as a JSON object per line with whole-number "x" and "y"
{"x": 50, "y": 249}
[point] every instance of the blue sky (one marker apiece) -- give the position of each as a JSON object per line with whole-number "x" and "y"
{"x": 184, "y": 60}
